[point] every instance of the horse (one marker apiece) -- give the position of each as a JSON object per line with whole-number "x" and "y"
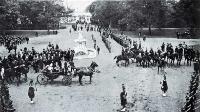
{"x": 163, "y": 55}
{"x": 9, "y": 75}
{"x": 179, "y": 58}
{"x": 147, "y": 60}
{"x": 155, "y": 59}
{"x": 188, "y": 58}
{"x": 16, "y": 72}
{"x": 120, "y": 58}
{"x": 161, "y": 65}
{"x": 171, "y": 57}
{"x": 85, "y": 71}
{"x": 139, "y": 60}
{"x": 131, "y": 56}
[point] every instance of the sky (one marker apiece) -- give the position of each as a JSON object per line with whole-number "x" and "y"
{"x": 78, "y": 5}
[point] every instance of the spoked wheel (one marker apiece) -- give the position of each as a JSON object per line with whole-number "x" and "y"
{"x": 42, "y": 79}
{"x": 67, "y": 80}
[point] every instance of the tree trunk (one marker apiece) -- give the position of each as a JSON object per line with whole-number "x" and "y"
{"x": 150, "y": 29}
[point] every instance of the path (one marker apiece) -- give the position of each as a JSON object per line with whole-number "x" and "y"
{"x": 143, "y": 84}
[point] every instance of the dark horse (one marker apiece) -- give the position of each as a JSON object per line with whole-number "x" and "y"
{"x": 16, "y": 72}
{"x": 161, "y": 65}
{"x": 85, "y": 71}
{"x": 120, "y": 58}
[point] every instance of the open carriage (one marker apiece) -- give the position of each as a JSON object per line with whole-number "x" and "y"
{"x": 47, "y": 76}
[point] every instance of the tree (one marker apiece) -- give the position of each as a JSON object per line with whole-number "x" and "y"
{"x": 42, "y": 15}
{"x": 9, "y": 14}
{"x": 187, "y": 13}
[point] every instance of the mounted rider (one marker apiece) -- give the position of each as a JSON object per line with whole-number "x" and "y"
{"x": 163, "y": 47}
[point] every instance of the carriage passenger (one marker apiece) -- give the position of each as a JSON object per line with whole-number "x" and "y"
{"x": 49, "y": 67}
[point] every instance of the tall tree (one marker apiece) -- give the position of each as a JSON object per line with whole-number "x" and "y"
{"x": 9, "y": 14}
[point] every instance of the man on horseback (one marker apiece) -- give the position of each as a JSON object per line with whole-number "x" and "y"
{"x": 163, "y": 47}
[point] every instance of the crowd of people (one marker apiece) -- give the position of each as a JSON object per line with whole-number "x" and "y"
{"x": 87, "y": 27}
{"x": 11, "y": 41}
{"x": 14, "y": 65}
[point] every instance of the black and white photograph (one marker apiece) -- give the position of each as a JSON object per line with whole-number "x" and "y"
{"x": 99, "y": 55}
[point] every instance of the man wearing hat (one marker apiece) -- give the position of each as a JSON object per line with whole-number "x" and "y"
{"x": 31, "y": 91}
{"x": 123, "y": 98}
{"x": 196, "y": 66}
{"x": 164, "y": 86}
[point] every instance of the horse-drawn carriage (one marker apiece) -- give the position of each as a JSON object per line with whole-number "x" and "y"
{"x": 47, "y": 76}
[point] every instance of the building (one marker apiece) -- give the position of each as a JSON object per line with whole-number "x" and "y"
{"x": 79, "y": 17}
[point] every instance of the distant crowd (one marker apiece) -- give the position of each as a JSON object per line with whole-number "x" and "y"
{"x": 11, "y": 41}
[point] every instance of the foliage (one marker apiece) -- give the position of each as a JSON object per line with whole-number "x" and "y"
{"x": 188, "y": 11}
{"x": 40, "y": 15}
{"x": 30, "y": 15}
{"x": 9, "y": 14}
{"x": 135, "y": 14}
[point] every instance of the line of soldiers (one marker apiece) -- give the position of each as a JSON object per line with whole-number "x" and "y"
{"x": 11, "y": 41}
{"x": 191, "y": 95}
{"x": 105, "y": 36}
{"x": 5, "y": 101}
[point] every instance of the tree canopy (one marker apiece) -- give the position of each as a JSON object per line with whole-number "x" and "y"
{"x": 134, "y": 14}
{"x": 30, "y": 14}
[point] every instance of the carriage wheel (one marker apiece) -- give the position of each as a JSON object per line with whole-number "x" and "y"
{"x": 42, "y": 79}
{"x": 67, "y": 80}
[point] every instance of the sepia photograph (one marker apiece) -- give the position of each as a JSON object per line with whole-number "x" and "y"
{"x": 99, "y": 55}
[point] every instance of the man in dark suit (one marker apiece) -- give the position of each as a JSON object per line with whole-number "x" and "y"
{"x": 123, "y": 96}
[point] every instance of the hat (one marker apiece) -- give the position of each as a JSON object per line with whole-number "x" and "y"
{"x": 123, "y": 86}
{"x": 31, "y": 82}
